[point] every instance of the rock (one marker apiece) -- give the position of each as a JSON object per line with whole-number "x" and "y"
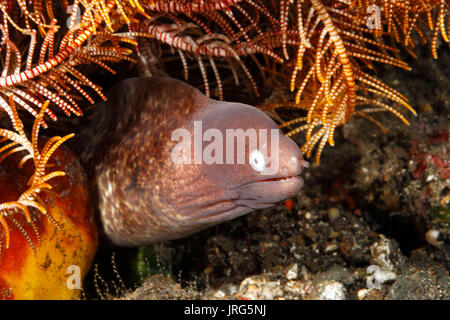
{"x": 333, "y": 235}
{"x": 309, "y": 232}
{"x": 259, "y": 287}
{"x": 292, "y": 272}
{"x": 386, "y": 254}
{"x": 336, "y": 273}
{"x": 329, "y": 290}
{"x": 224, "y": 292}
{"x": 421, "y": 278}
{"x": 159, "y": 287}
{"x": 333, "y": 214}
{"x": 369, "y": 294}
{"x": 296, "y": 289}
{"x": 386, "y": 260}
{"x": 432, "y": 236}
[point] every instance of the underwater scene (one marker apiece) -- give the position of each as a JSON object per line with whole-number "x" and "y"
{"x": 224, "y": 150}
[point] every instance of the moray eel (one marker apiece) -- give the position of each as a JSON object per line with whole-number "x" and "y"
{"x": 150, "y": 189}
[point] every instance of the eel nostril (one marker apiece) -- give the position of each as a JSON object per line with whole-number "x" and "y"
{"x": 305, "y": 164}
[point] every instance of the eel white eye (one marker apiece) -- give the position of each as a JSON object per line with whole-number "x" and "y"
{"x": 256, "y": 159}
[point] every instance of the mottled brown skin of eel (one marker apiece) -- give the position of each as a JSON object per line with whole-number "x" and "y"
{"x": 142, "y": 195}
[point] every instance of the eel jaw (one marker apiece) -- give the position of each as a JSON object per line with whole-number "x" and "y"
{"x": 266, "y": 193}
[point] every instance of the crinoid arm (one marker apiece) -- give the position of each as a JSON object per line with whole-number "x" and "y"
{"x": 16, "y": 141}
{"x": 337, "y": 45}
{"x": 324, "y": 51}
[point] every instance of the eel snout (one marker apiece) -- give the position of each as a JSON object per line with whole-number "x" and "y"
{"x": 284, "y": 183}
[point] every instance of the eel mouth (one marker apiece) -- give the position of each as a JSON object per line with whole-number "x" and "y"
{"x": 279, "y": 183}
{"x": 259, "y": 194}
{"x": 272, "y": 190}
{"x": 281, "y": 179}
